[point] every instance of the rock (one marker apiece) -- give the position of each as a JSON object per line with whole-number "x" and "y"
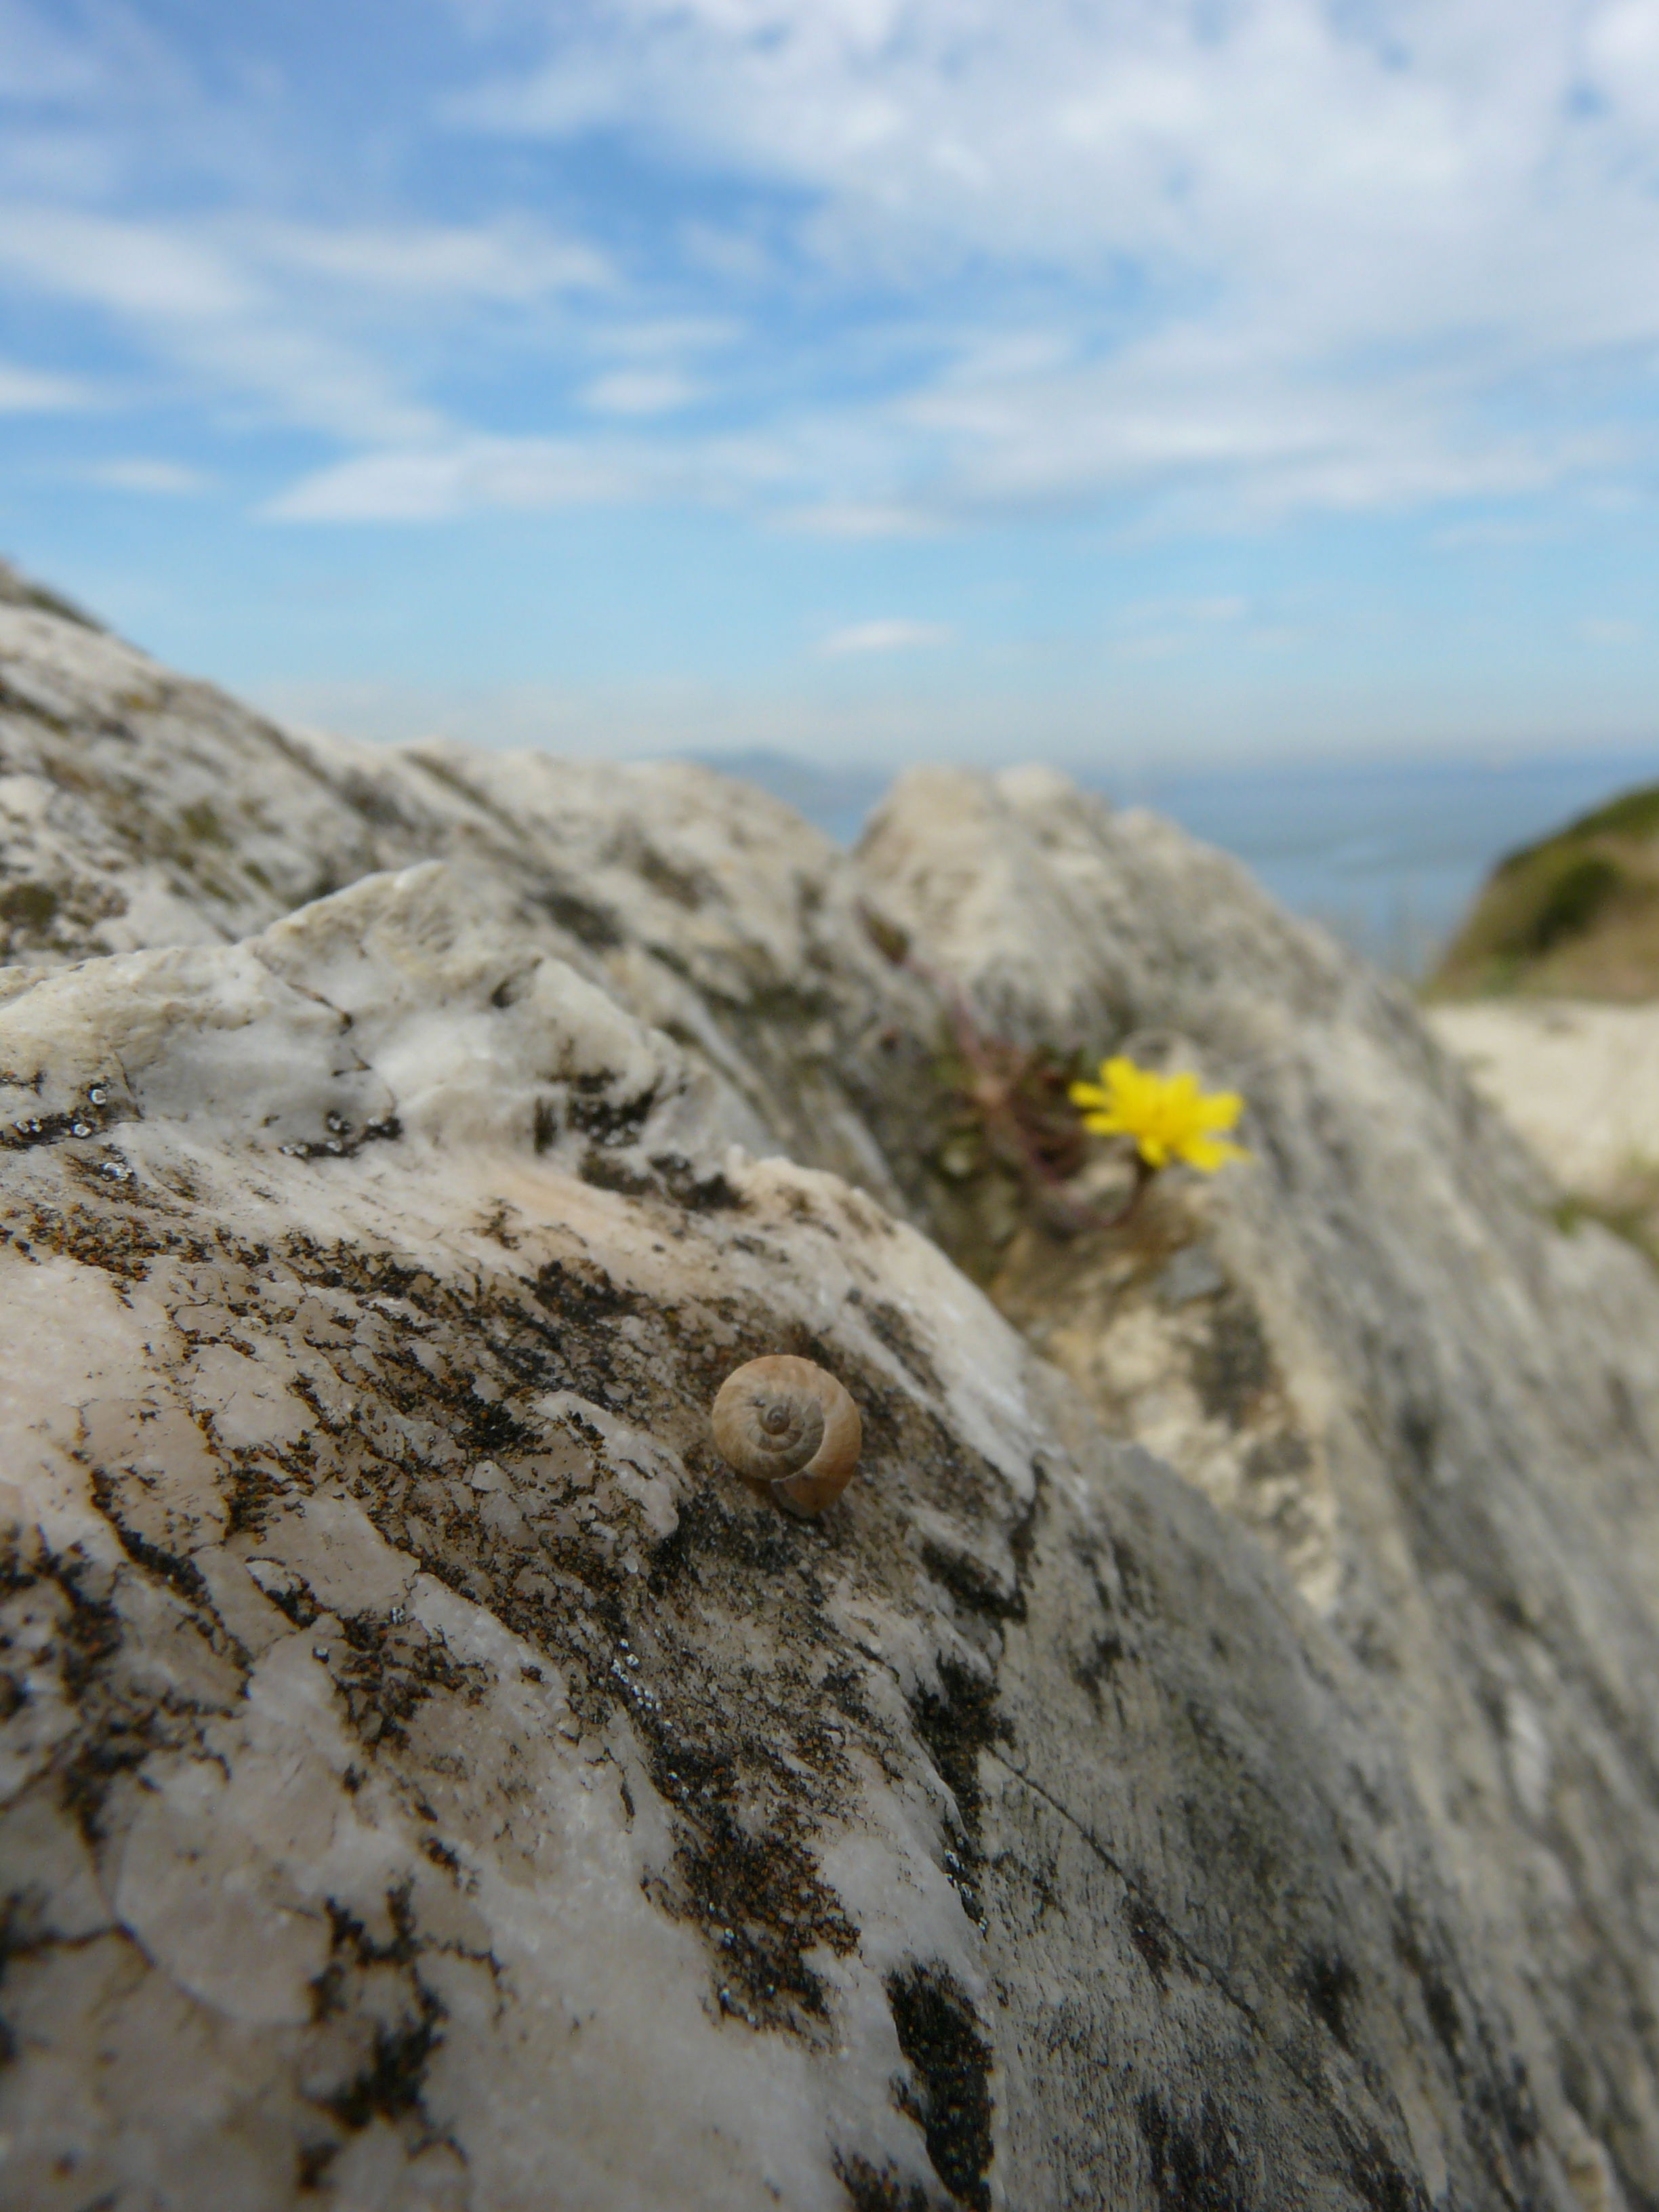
{"x": 430, "y": 1778}
{"x": 1580, "y": 1083}
{"x": 17, "y": 590}
{"x": 137, "y": 808}
{"x": 434, "y": 1780}
{"x": 1438, "y": 1410}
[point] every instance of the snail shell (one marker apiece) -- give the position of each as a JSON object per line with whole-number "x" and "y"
{"x": 787, "y": 1424}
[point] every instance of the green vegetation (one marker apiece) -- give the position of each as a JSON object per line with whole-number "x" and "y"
{"x": 1575, "y": 915}
{"x": 200, "y": 822}
{"x": 1635, "y": 1219}
{"x": 29, "y": 906}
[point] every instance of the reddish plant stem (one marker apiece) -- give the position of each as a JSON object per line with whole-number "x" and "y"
{"x": 993, "y": 1095}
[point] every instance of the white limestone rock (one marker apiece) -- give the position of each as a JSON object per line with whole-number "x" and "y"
{"x": 431, "y": 1780}
{"x": 137, "y": 808}
{"x": 370, "y": 1260}
{"x": 1372, "y": 1345}
{"x": 1578, "y": 1080}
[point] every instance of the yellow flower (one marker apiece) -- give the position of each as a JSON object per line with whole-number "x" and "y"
{"x": 1168, "y": 1115}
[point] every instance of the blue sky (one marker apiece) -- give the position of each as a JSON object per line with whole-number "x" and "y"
{"x": 867, "y": 378}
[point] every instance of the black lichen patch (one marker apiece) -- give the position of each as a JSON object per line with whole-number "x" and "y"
{"x": 603, "y": 1118}
{"x": 579, "y": 1292}
{"x": 589, "y": 923}
{"x": 940, "y": 2036}
{"x": 1232, "y": 1365}
{"x": 750, "y": 1777}
{"x": 390, "y": 1668}
{"x": 1438, "y": 2002}
{"x": 123, "y": 1245}
{"x": 1377, "y": 2181}
{"x": 1418, "y": 1426}
{"x": 887, "y": 1322}
{"x": 181, "y": 1573}
{"x": 609, "y": 1171}
{"x": 1196, "y": 2162}
{"x": 761, "y": 1545}
{"x": 956, "y": 1723}
{"x": 1095, "y": 1668}
{"x": 879, "y": 2188}
{"x": 685, "y": 887}
{"x": 971, "y": 1583}
{"x": 94, "y": 1111}
{"x": 120, "y": 1723}
{"x": 1149, "y": 1933}
{"x": 1329, "y": 1985}
{"x": 699, "y": 1193}
{"x": 393, "y": 2080}
{"x": 352, "y": 1948}
{"x": 311, "y": 2163}
{"x": 344, "y": 1137}
{"x": 758, "y": 1898}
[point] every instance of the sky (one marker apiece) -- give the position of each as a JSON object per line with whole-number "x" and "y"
{"x": 1155, "y": 381}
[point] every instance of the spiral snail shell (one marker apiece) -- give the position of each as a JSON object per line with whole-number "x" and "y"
{"x": 786, "y": 1423}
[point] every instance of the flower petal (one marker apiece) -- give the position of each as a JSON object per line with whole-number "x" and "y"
{"x": 1206, "y": 1154}
{"x": 1104, "y": 1125}
{"x": 1219, "y": 1110}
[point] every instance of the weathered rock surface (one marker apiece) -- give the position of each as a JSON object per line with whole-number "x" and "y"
{"x": 139, "y": 808}
{"x": 1580, "y": 1082}
{"x": 1373, "y": 1344}
{"x": 430, "y": 1779}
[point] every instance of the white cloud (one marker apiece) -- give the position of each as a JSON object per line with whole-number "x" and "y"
{"x": 639, "y": 391}
{"x": 670, "y": 334}
{"x": 1307, "y": 250}
{"x": 1214, "y": 259}
{"x": 1609, "y": 630}
{"x": 31, "y": 391}
{"x": 200, "y": 306}
{"x": 457, "y": 476}
{"x": 428, "y": 485}
{"x": 891, "y": 633}
{"x": 510, "y": 260}
{"x": 857, "y": 518}
{"x": 163, "y": 479}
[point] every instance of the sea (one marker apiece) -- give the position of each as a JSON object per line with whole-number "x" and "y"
{"x": 1387, "y": 853}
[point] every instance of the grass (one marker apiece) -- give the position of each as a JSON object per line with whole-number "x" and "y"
{"x": 1576, "y": 915}
{"x": 1631, "y": 1211}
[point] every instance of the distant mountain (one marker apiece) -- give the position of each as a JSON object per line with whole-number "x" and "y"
{"x": 1575, "y": 915}
{"x": 834, "y": 801}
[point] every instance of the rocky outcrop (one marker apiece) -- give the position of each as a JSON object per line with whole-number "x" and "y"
{"x": 1580, "y": 1082}
{"x": 139, "y": 808}
{"x": 1378, "y": 1347}
{"x": 431, "y": 1778}
{"x": 1575, "y": 915}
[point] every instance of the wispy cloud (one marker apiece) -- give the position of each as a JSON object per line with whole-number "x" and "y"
{"x": 1209, "y": 263}
{"x": 513, "y": 260}
{"x": 155, "y": 478}
{"x": 639, "y": 391}
{"x": 462, "y": 475}
{"x": 1306, "y": 255}
{"x": 891, "y": 634}
{"x": 31, "y": 391}
{"x": 1609, "y": 630}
